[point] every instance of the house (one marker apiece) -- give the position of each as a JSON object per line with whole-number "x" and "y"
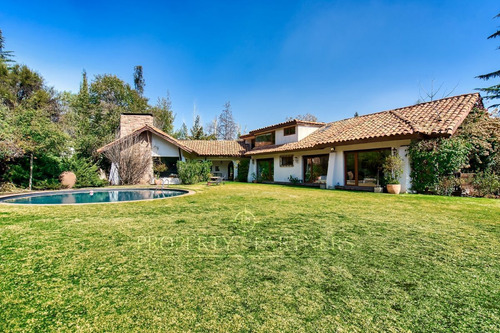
{"x": 225, "y": 155}
{"x": 345, "y": 154}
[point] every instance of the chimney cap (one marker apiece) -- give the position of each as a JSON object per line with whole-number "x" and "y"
{"x": 136, "y": 114}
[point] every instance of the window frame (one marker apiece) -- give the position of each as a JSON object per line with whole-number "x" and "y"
{"x": 294, "y": 128}
{"x": 282, "y": 165}
{"x": 356, "y": 163}
{"x": 259, "y": 143}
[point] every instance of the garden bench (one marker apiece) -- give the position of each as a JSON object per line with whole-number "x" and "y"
{"x": 215, "y": 181}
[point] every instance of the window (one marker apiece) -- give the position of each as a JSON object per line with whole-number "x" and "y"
{"x": 286, "y": 161}
{"x": 364, "y": 168}
{"x": 264, "y": 139}
{"x": 169, "y": 168}
{"x": 265, "y": 170}
{"x": 289, "y": 131}
{"x": 315, "y": 168}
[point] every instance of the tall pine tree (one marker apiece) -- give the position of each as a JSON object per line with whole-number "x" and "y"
{"x": 139, "y": 82}
{"x": 197, "y": 130}
{"x": 5, "y": 56}
{"x": 492, "y": 92}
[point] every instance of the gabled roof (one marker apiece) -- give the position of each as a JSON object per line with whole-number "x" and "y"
{"x": 199, "y": 147}
{"x": 283, "y": 124}
{"x": 437, "y": 118}
{"x": 236, "y": 148}
{"x": 152, "y": 129}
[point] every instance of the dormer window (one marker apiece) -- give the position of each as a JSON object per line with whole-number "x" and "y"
{"x": 264, "y": 139}
{"x": 289, "y": 131}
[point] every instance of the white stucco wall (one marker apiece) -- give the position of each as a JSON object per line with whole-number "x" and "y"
{"x": 338, "y": 178}
{"x": 282, "y": 174}
{"x": 160, "y": 147}
{"x": 336, "y": 171}
{"x": 304, "y": 131}
{"x": 281, "y": 138}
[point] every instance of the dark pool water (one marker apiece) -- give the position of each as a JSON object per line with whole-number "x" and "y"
{"x": 91, "y": 196}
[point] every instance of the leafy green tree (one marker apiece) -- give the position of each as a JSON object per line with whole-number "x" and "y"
{"x": 163, "y": 114}
{"x": 492, "y": 92}
{"x": 18, "y": 84}
{"x": 482, "y": 132}
{"x": 41, "y": 136}
{"x": 9, "y": 142}
{"x": 30, "y": 117}
{"x": 96, "y": 111}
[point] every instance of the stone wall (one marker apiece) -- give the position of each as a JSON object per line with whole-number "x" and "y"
{"x": 130, "y": 122}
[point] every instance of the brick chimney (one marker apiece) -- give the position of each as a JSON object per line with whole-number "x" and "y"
{"x": 130, "y": 122}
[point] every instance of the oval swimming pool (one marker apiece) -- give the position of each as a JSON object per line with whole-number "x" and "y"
{"x": 90, "y": 196}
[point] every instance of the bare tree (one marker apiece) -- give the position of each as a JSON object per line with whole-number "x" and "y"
{"x": 429, "y": 95}
{"x": 304, "y": 117}
{"x": 227, "y": 128}
{"x": 132, "y": 159}
{"x": 212, "y": 129}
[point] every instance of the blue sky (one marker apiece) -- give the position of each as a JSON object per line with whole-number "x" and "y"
{"x": 271, "y": 59}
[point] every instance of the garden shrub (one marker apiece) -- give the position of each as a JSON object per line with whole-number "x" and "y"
{"x": 192, "y": 171}
{"x": 86, "y": 172}
{"x": 486, "y": 183}
{"x": 7, "y": 187}
{"x": 294, "y": 180}
{"x": 243, "y": 168}
{"x": 447, "y": 185}
{"x": 434, "y": 159}
{"x": 47, "y": 184}
{"x": 46, "y": 171}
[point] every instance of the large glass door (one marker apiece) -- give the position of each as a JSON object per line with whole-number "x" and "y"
{"x": 364, "y": 168}
{"x": 265, "y": 169}
{"x": 315, "y": 168}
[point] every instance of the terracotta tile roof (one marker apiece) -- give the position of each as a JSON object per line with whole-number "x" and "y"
{"x": 151, "y": 129}
{"x": 437, "y": 118}
{"x": 217, "y": 147}
{"x": 283, "y": 124}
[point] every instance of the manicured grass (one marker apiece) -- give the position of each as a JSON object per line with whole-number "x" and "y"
{"x": 249, "y": 257}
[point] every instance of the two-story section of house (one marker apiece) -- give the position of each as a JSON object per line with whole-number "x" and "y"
{"x": 279, "y": 168}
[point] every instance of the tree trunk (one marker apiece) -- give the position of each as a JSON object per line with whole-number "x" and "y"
{"x": 31, "y": 170}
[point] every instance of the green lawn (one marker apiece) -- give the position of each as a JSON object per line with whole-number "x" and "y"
{"x": 249, "y": 257}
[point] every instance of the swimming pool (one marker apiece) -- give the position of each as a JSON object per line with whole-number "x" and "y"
{"x": 90, "y": 196}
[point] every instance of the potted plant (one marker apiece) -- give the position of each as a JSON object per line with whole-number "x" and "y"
{"x": 393, "y": 168}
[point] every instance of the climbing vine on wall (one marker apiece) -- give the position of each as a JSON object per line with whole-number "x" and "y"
{"x": 435, "y": 159}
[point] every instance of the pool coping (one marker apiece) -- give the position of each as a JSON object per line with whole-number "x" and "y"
{"x": 83, "y": 190}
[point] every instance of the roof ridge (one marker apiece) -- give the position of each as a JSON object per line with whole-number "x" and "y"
{"x": 405, "y": 107}
{"x": 413, "y": 126}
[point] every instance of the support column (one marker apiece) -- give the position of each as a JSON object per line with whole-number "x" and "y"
{"x": 235, "y": 169}
{"x": 405, "y": 178}
{"x": 252, "y": 169}
{"x": 331, "y": 169}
